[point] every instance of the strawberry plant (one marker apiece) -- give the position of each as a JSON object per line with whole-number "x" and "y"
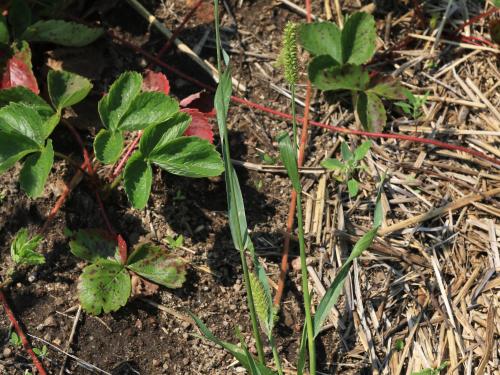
{"x": 20, "y": 27}
{"x": 105, "y": 284}
{"x": 167, "y": 141}
{"x": 337, "y": 64}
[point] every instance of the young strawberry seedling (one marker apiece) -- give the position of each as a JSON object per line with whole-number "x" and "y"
{"x": 105, "y": 285}
{"x": 348, "y": 165}
{"x": 337, "y": 64}
{"x": 26, "y": 123}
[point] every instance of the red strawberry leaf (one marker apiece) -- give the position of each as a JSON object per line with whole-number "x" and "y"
{"x": 203, "y": 101}
{"x": 155, "y": 81}
{"x": 18, "y": 71}
{"x": 199, "y": 127}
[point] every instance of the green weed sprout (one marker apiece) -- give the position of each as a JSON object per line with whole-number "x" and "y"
{"x": 413, "y": 107}
{"x": 348, "y": 165}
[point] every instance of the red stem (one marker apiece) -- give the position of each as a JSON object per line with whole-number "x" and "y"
{"x": 293, "y": 199}
{"x": 75, "y": 180}
{"x": 128, "y": 151}
{"x": 21, "y": 334}
{"x": 489, "y": 12}
{"x": 315, "y": 123}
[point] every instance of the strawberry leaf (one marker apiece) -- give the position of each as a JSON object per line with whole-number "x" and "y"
{"x": 116, "y": 103}
{"x": 371, "y": 111}
{"x": 155, "y": 81}
{"x": 94, "y": 244}
{"x": 358, "y": 39}
{"x": 147, "y": 109}
{"x": 4, "y": 31}
{"x": 189, "y": 157}
{"x": 67, "y": 89}
{"x": 108, "y": 146}
{"x": 104, "y": 286}
{"x": 199, "y": 127}
{"x": 23, "y": 95}
{"x": 18, "y": 73}
{"x": 161, "y": 134}
{"x": 156, "y": 264}
{"x": 36, "y": 170}
{"x": 326, "y": 76}
{"x": 138, "y": 177}
{"x": 321, "y": 38}
{"x": 390, "y": 89}
{"x": 64, "y": 33}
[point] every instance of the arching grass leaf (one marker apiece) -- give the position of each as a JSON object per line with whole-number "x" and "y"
{"x": 289, "y": 160}
{"x": 332, "y": 294}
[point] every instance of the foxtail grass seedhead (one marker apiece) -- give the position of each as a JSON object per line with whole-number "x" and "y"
{"x": 289, "y": 53}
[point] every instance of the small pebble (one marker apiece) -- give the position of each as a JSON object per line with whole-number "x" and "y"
{"x": 7, "y": 352}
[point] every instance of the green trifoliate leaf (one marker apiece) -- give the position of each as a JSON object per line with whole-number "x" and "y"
{"x": 156, "y": 264}
{"x": 22, "y": 249}
{"x": 189, "y": 157}
{"x": 161, "y": 134}
{"x": 22, "y": 95}
{"x": 289, "y": 160}
{"x": 333, "y": 164}
{"x": 116, "y": 103}
{"x": 326, "y": 76}
{"x": 16, "y": 134}
{"x": 352, "y": 187}
{"x": 147, "y": 109}
{"x": 108, "y": 146}
{"x": 138, "y": 177}
{"x": 67, "y": 89}
{"x": 358, "y": 39}
{"x": 104, "y": 286}
{"x": 322, "y": 38}
{"x": 36, "y": 170}
{"x": 23, "y": 120}
{"x": 94, "y": 244}
{"x": 371, "y": 112}
{"x": 64, "y": 33}
{"x": 362, "y": 150}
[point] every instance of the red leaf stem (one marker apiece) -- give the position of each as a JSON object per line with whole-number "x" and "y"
{"x": 315, "y": 123}
{"x": 20, "y": 333}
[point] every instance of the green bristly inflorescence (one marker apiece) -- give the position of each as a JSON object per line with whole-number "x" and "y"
{"x": 289, "y": 53}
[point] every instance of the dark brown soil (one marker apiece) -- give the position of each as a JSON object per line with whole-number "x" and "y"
{"x": 154, "y": 335}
